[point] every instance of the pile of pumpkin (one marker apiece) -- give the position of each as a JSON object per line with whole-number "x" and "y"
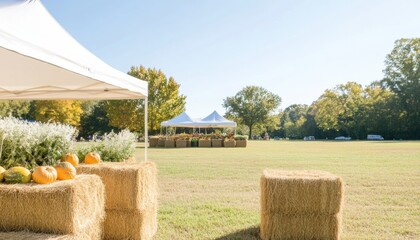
{"x": 63, "y": 170}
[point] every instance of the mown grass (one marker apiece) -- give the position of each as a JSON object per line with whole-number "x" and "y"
{"x": 214, "y": 193}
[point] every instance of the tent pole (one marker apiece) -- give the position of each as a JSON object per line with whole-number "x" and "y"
{"x": 146, "y": 125}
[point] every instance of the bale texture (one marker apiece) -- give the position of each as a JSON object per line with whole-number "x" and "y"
{"x": 217, "y": 143}
{"x": 241, "y": 143}
{"x": 281, "y": 226}
{"x": 131, "y": 224}
{"x": 153, "y": 142}
{"x": 63, "y": 207}
{"x": 169, "y": 143}
{"x": 24, "y": 235}
{"x": 204, "y": 143}
{"x": 161, "y": 142}
{"x": 229, "y": 143}
{"x": 181, "y": 143}
{"x": 127, "y": 185}
{"x": 300, "y": 192}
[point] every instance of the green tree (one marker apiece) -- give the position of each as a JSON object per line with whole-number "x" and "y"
{"x": 381, "y": 112}
{"x": 341, "y": 109}
{"x": 402, "y": 76}
{"x": 293, "y": 119}
{"x": 15, "y": 108}
{"x": 251, "y": 106}
{"x": 95, "y": 121}
{"x": 165, "y": 102}
{"x": 61, "y": 111}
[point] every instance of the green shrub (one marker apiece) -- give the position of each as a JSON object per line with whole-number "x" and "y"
{"x": 32, "y": 144}
{"x": 114, "y": 147}
{"x": 241, "y": 137}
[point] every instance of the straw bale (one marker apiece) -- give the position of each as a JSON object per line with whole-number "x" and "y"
{"x": 229, "y": 143}
{"x": 241, "y": 143}
{"x": 131, "y": 224}
{"x": 301, "y": 192}
{"x": 204, "y": 143}
{"x": 282, "y": 226}
{"x": 63, "y": 207}
{"x": 181, "y": 143}
{"x": 169, "y": 143}
{"x": 127, "y": 185}
{"x": 153, "y": 142}
{"x": 24, "y": 235}
{"x": 92, "y": 233}
{"x": 217, "y": 143}
{"x": 161, "y": 142}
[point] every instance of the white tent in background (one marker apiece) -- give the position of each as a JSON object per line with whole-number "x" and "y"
{"x": 40, "y": 60}
{"x": 182, "y": 120}
{"x": 215, "y": 120}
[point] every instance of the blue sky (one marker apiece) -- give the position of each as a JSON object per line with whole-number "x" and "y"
{"x": 214, "y": 48}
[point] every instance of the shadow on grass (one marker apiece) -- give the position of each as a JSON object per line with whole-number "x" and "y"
{"x": 251, "y": 233}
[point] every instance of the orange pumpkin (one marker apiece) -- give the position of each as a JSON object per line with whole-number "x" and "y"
{"x": 44, "y": 175}
{"x": 2, "y": 170}
{"x": 71, "y": 158}
{"x": 92, "y": 158}
{"x": 65, "y": 171}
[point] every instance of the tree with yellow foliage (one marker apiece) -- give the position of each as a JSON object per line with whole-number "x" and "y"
{"x": 61, "y": 111}
{"x": 165, "y": 102}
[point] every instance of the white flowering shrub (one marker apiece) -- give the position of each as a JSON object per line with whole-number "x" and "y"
{"x": 32, "y": 144}
{"x": 113, "y": 147}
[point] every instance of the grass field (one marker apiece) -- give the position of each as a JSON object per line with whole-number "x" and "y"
{"x": 214, "y": 193}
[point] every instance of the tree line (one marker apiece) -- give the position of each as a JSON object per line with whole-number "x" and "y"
{"x": 390, "y": 106}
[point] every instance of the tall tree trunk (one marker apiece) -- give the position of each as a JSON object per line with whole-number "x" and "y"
{"x": 250, "y": 132}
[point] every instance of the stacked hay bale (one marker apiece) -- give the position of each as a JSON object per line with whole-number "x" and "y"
{"x": 131, "y": 198}
{"x": 300, "y": 205}
{"x": 71, "y": 209}
{"x": 25, "y": 235}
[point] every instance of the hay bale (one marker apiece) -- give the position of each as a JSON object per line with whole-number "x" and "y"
{"x": 301, "y": 192}
{"x": 217, "y": 143}
{"x": 131, "y": 224}
{"x": 230, "y": 143}
{"x": 181, "y": 143}
{"x": 161, "y": 142}
{"x": 204, "y": 143}
{"x": 282, "y": 226}
{"x": 63, "y": 207}
{"x": 169, "y": 143}
{"x": 24, "y": 235}
{"x": 127, "y": 185}
{"x": 241, "y": 143}
{"x": 153, "y": 142}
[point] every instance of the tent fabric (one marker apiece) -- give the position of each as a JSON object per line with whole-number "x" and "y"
{"x": 40, "y": 60}
{"x": 182, "y": 120}
{"x": 214, "y": 120}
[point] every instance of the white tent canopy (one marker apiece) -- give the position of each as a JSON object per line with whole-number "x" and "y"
{"x": 214, "y": 120}
{"x": 182, "y": 120}
{"x": 40, "y": 60}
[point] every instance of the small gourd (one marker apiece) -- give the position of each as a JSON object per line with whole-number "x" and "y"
{"x": 92, "y": 158}
{"x": 44, "y": 175}
{"x": 65, "y": 171}
{"x": 71, "y": 158}
{"x": 2, "y": 170}
{"x": 17, "y": 175}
